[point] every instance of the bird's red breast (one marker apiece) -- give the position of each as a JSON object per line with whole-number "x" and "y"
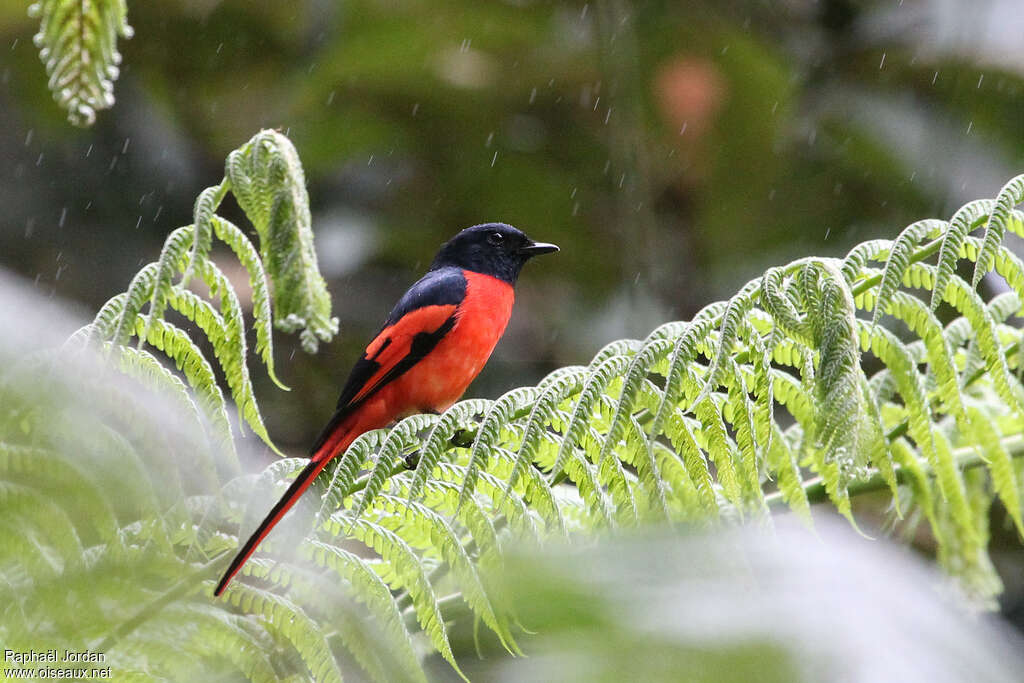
{"x": 439, "y": 379}
{"x": 442, "y": 376}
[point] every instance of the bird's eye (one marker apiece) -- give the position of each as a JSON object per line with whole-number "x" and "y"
{"x": 495, "y": 238}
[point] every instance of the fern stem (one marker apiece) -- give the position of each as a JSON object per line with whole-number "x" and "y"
{"x": 452, "y": 607}
{"x": 966, "y": 458}
{"x": 919, "y": 255}
{"x": 404, "y": 599}
{"x": 152, "y": 608}
{"x": 219, "y": 192}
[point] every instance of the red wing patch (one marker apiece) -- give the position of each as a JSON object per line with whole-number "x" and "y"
{"x": 394, "y": 344}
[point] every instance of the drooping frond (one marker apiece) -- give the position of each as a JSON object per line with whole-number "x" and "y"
{"x": 77, "y": 43}
{"x": 267, "y": 179}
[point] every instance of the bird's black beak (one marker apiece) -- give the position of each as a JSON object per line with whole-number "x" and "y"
{"x": 537, "y": 248}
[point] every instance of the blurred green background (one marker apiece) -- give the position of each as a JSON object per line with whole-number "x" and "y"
{"x": 674, "y": 150}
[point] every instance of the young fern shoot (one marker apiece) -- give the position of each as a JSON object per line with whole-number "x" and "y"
{"x": 267, "y": 180}
{"x": 77, "y": 43}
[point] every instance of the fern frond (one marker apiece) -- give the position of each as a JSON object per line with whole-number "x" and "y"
{"x": 372, "y": 589}
{"x": 267, "y": 180}
{"x": 291, "y": 623}
{"x": 77, "y": 43}
{"x": 247, "y": 255}
{"x": 406, "y": 571}
{"x": 968, "y": 217}
{"x": 1010, "y": 196}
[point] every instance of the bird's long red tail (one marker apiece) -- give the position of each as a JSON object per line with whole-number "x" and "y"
{"x": 316, "y": 464}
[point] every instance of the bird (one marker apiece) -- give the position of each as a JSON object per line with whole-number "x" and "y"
{"x": 432, "y": 345}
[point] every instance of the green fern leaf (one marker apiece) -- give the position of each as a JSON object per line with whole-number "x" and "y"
{"x": 78, "y": 46}
{"x": 267, "y": 179}
{"x": 378, "y": 597}
{"x": 292, "y": 623}
{"x": 735, "y": 311}
{"x": 247, "y": 255}
{"x": 1004, "y": 477}
{"x": 1009, "y": 196}
{"x": 899, "y": 260}
{"x": 410, "y": 574}
{"x": 968, "y": 217}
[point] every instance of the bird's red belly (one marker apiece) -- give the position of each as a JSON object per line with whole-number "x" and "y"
{"x": 444, "y": 374}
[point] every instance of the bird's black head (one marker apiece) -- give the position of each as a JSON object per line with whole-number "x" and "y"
{"x": 493, "y": 249}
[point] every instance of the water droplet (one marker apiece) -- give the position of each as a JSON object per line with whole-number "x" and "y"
{"x": 28, "y": 136}
{"x": 63, "y": 216}
{"x": 980, "y": 79}
{"x": 882, "y": 63}
{"x": 330, "y": 98}
{"x": 124, "y": 147}
{"x": 494, "y": 159}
